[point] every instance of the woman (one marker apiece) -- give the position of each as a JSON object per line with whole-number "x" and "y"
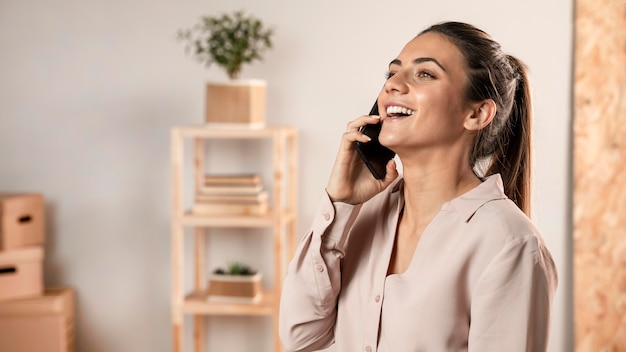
{"x": 445, "y": 257}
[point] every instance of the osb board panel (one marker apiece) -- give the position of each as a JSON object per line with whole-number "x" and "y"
{"x": 600, "y": 176}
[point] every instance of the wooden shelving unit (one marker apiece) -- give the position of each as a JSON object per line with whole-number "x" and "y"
{"x": 281, "y": 219}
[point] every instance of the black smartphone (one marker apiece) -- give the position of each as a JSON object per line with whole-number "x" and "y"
{"x": 374, "y": 155}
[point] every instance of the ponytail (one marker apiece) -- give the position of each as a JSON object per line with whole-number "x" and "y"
{"x": 512, "y": 157}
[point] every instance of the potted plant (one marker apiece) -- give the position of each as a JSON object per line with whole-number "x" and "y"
{"x": 231, "y": 41}
{"x": 238, "y": 282}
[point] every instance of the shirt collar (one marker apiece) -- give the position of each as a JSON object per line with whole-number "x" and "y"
{"x": 468, "y": 203}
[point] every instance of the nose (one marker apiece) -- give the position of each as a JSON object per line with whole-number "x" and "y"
{"x": 396, "y": 83}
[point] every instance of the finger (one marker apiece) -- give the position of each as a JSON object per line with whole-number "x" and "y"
{"x": 354, "y": 125}
{"x": 392, "y": 173}
{"x": 352, "y": 136}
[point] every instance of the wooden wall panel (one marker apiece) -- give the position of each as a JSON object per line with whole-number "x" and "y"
{"x": 600, "y": 176}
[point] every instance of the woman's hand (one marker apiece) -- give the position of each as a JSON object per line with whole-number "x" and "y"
{"x": 350, "y": 180}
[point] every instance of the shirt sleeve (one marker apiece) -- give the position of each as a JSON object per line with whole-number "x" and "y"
{"x": 308, "y": 305}
{"x": 511, "y": 304}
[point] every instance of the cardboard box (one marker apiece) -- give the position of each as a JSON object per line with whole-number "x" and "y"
{"x": 22, "y": 220}
{"x": 42, "y": 324}
{"x": 21, "y": 273}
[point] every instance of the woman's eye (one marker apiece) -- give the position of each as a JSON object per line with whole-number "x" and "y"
{"x": 424, "y": 74}
{"x": 418, "y": 74}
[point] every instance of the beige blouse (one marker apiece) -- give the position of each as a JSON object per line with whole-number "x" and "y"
{"x": 481, "y": 279}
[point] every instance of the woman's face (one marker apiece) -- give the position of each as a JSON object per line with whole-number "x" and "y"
{"x": 422, "y": 104}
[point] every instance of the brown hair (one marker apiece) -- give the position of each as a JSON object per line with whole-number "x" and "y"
{"x": 504, "y": 144}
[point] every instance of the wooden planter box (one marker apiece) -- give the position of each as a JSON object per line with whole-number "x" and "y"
{"x": 239, "y": 102}
{"x": 235, "y": 288}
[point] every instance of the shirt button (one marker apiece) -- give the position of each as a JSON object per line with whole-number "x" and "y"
{"x": 368, "y": 349}
{"x": 319, "y": 267}
{"x": 326, "y": 216}
{"x": 377, "y": 298}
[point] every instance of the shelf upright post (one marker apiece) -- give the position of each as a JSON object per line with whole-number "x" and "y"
{"x": 278, "y": 142}
{"x": 199, "y": 246}
{"x": 177, "y": 239}
{"x": 292, "y": 187}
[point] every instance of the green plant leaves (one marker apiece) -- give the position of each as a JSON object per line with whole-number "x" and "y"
{"x": 235, "y": 268}
{"x": 230, "y": 41}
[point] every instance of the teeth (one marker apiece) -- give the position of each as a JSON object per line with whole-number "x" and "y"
{"x": 391, "y": 110}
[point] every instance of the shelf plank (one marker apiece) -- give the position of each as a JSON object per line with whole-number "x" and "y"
{"x": 218, "y": 131}
{"x": 191, "y": 219}
{"x": 196, "y": 303}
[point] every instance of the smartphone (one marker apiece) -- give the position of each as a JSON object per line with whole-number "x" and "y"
{"x": 374, "y": 155}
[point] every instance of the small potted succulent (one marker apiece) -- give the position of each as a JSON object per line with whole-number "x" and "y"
{"x": 230, "y": 41}
{"x": 238, "y": 282}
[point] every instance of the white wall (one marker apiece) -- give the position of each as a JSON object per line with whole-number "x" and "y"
{"x": 89, "y": 90}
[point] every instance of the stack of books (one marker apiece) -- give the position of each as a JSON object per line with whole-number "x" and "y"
{"x": 231, "y": 195}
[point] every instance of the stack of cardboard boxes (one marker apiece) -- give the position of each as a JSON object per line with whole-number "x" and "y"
{"x": 32, "y": 318}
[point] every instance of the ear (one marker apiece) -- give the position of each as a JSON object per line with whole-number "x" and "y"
{"x": 481, "y": 115}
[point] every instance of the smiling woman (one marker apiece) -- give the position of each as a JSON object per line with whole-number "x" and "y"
{"x": 406, "y": 263}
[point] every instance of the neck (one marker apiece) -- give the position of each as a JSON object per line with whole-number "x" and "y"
{"x": 426, "y": 189}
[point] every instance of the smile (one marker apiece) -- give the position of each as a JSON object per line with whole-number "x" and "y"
{"x": 399, "y": 111}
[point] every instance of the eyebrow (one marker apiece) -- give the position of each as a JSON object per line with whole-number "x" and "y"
{"x": 419, "y": 60}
